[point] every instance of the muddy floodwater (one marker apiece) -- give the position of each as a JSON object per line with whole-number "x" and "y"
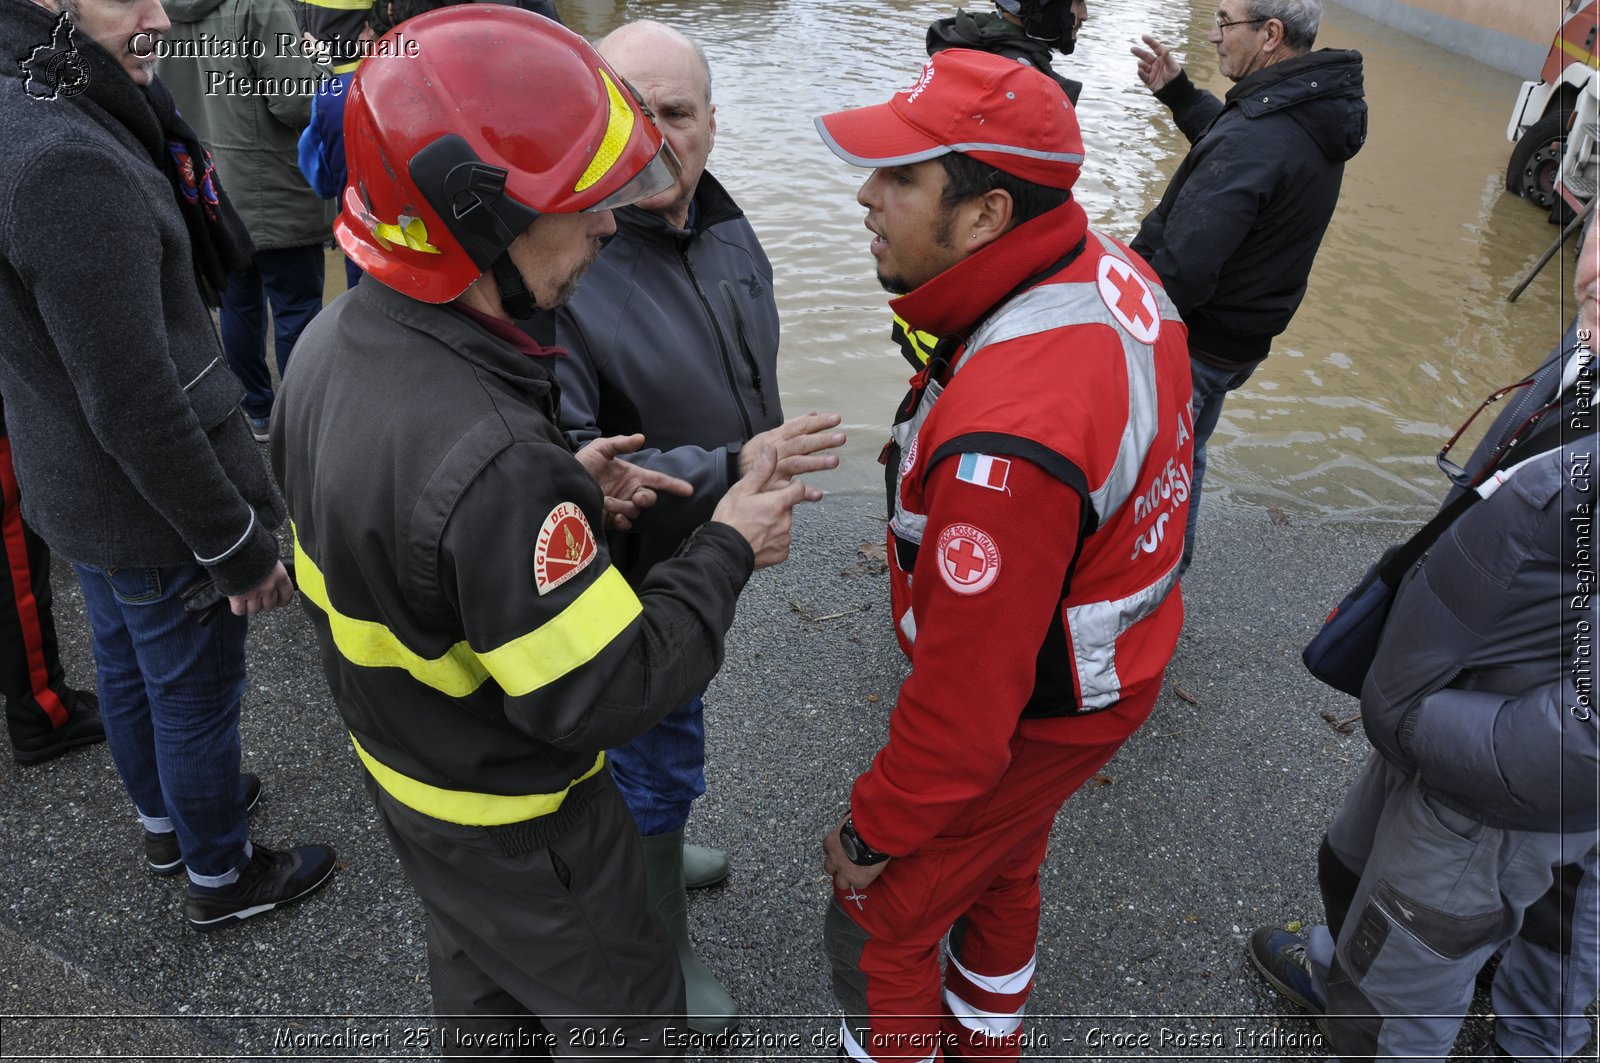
{"x": 1405, "y": 327}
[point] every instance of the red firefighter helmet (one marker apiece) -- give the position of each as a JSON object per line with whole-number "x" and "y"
{"x": 468, "y": 122}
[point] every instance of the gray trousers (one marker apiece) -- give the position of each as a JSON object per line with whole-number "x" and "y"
{"x": 1432, "y": 895}
{"x": 540, "y": 937}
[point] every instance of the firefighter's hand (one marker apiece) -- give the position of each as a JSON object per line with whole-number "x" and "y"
{"x": 846, "y": 875}
{"x": 265, "y": 596}
{"x": 797, "y": 442}
{"x": 760, "y": 507}
{"x": 1158, "y": 65}
{"x": 629, "y": 488}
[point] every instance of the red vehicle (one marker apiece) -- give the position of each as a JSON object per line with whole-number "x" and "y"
{"x": 1545, "y": 110}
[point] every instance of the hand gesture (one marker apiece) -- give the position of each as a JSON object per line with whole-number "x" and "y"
{"x": 1158, "y": 65}
{"x": 796, "y": 442}
{"x": 760, "y": 507}
{"x": 628, "y": 488}
{"x": 265, "y": 596}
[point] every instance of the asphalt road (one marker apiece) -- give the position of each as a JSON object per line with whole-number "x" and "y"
{"x": 1204, "y": 826}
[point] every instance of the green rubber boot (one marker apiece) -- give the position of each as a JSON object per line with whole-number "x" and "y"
{"x": 711, "y": 1010}
{"x": 704, "y": 867}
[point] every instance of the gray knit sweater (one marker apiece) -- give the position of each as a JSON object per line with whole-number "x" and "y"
{"x": 125, "y": 429}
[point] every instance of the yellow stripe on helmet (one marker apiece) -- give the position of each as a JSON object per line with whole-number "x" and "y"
{"x": 619, "y": 128}
{"x": 411, "y": 233}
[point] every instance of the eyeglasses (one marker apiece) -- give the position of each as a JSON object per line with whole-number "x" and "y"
{"x": 1221, "y": 25}
{"x": 1459, "y": 476}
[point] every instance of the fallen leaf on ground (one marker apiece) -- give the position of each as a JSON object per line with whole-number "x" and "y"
{"x": 1184, "y": 695}
{"x": 1278, "y": 516}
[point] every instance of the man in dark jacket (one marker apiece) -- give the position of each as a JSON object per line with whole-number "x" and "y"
{"x": 1024, "y": 30}
{"x": 1480, "y": 709}
{"x": 134, "y": 461}
{"x": 674, "y": 333}
{"x": 1235, "y": 233}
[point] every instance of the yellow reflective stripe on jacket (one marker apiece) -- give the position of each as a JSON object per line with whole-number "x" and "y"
{"x": 462, "y": 806}
{"x": 560, "y": 645}
{"x": 340, "y": 5}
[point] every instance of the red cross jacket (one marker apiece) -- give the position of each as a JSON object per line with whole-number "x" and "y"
{"x": 1039, "y": 485}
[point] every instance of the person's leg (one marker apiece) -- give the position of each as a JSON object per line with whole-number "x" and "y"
{"x": 992, "y": 959}
{"x": 992, "y": 946}
{"x": 561, "y": 927}
{"x": 885, "y": 968}
{"x": 1548, "y": 976}
{"x": 474, "y": 1016}
{"x": 659, "y": 775}
{"x": 883, "y": 942}
{"x": 661, "y": 772}
{"x": 1440, "y": 893}
{"x": 244, "y": 342}
{"x": 1211, "y": 387}
{"x": 293, "y": 279}
{"x": 44, "y": 716}
{"x": 173, "y": 687}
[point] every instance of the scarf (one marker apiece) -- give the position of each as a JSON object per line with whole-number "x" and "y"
{"x": 218, "y": 240}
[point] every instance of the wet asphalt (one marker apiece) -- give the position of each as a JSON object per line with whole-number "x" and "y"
{"x": 1204, "y": 826}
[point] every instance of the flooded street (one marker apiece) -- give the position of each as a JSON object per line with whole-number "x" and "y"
{"x": 1405, "y": 328}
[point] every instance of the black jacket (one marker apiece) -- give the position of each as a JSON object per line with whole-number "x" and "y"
{"x": 990, "y": 33}
{"x": 673, "y": 333}
{"x": 474, "y": 633}
{"x": 125, "y": 425}
{"x": 1235, "y": 234}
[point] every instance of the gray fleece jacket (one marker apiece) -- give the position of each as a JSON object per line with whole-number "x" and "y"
{"x": 125, "y": 427}
{"x": 1484, "y": 678}
{"x": 249, "y": 107}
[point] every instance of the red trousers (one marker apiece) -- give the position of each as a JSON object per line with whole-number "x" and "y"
{"x": 974, "y": 893}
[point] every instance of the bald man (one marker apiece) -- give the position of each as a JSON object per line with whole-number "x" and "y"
{"x": 674, "y": 333}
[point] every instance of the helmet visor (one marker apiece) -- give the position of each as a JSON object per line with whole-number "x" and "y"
{"x": 658, "y": 175}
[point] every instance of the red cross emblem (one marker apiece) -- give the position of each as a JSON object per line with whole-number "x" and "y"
{"x": 969, "y": 560}
{"x": 1129, "y": 298}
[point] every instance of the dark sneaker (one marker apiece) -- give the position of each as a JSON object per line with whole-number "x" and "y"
{"x": 261, "y": 428}
{"x": 83, "y": 728}
{"x": 161, "y": 850}
{"x": 273, "y": 877}
{"x": 1281, "y": 958}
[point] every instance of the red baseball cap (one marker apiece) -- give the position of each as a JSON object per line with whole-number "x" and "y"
{"x": 997, "y": 110}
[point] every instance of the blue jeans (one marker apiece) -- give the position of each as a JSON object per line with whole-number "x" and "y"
{"x": 169, "y": 696}
{"x": 1211, "y": 386}
{"x": 291, "y": 279}
{"x": 661, "y": 772}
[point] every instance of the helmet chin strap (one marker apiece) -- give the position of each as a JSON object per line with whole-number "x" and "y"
{"x": 514, "y": 294}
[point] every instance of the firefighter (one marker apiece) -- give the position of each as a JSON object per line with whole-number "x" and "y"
{"x": 479, "y": 643}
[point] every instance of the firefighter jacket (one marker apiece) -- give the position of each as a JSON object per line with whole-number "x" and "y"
{"x": 673, "y": 333}
{"x": 478, "y": 642}
{"x": 1038, "y": 494}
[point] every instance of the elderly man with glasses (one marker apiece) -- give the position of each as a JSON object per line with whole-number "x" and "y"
{"x": 1235, "y": 233}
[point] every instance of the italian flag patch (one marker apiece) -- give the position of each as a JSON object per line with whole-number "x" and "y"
{"x": 984, "y": 470}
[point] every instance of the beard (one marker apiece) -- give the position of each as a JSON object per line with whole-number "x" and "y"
{"x": 569, "y": 287}
{"x": 896, "y": 283}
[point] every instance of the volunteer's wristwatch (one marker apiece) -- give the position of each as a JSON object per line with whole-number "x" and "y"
{"x": 860, "y": 853}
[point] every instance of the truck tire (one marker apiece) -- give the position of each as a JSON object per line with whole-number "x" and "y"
{"x": 1536, "y": 160}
